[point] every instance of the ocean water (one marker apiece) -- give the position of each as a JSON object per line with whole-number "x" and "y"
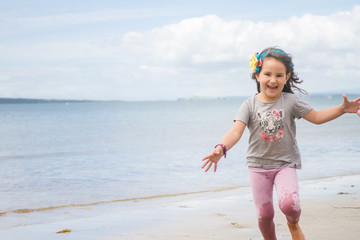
{"x": 55, "y": 156}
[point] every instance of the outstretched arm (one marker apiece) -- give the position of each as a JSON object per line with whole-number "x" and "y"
{"x": 325, "y": 115}
{"x": 229, "y": 140}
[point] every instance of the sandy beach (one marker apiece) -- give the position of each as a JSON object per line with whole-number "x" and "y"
{"x": 330, "y": 210}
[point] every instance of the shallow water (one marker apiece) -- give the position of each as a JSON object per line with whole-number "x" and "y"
{"x": 93, "y": 154}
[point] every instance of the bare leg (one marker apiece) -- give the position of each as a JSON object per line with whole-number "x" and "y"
{"x": 296, "y": 232}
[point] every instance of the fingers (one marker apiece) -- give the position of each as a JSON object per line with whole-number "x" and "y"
{"x": 205, "y": 158}
{"x": 210, "y": 159}
{"x": 211, "y": 155}
{"x": 205, "y": 163}
{"x": 210, "y": 163}
{"x": 346, "y": 100}
{"x": 352, "y": 106}
{"x": 207, "y": 169}
{"x": 357, "y": 100}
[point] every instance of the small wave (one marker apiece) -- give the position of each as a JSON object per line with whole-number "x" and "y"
{"x": 135, "y": 199}
{"x": 30, "y": 210}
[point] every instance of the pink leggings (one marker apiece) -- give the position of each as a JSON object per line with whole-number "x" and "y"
{"x": 286, "y": 184}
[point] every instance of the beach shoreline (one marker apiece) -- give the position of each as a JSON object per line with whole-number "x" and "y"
{"x": 330, "y": 210}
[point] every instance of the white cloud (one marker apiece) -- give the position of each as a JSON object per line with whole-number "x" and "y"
{"x": 322, "y": 46}
{"x": 206, "y": 56}
{"x": 195, "y": 40}
{"x": 211, "y": 39}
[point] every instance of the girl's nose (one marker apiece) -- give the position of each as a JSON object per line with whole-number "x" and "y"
{"x": 272, "y": 79}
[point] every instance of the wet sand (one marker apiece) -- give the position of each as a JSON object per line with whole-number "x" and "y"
{"x": 330, "y": 210}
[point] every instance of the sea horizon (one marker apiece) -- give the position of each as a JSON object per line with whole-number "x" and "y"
{"x": 4, "y": 100}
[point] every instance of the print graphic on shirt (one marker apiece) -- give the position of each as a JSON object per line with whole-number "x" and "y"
{"x": 271, "y": 124}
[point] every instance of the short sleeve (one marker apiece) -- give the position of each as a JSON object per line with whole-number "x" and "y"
{"x": 301, "y": 108}
{"x": 244, "y": 113}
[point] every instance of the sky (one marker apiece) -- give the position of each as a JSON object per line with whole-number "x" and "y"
{"x": 137, "y": 50}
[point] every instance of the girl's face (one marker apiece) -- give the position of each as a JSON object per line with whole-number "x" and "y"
{"x": 272, "y": 79}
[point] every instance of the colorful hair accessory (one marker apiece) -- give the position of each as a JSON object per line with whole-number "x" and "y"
{"x": 254, "y": 62}
{"x": 257, "y": 59}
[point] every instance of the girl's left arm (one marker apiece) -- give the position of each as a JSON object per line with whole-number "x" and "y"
{"x": 326, "y": 115}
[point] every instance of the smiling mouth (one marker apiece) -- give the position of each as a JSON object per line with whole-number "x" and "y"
{"x": 272, "y": 87}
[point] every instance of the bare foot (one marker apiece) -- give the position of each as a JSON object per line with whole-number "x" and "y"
{"x": 296, "y": 232}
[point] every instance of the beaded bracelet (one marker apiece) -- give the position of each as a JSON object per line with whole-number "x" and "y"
{"x": 223, "y": 147}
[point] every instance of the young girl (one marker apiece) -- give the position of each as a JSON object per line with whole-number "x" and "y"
{"x": 273, "y": 155}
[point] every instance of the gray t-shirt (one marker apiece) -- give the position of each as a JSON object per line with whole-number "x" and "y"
{"x": 272, "y": 141}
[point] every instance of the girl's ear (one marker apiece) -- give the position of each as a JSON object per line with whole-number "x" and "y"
{"x": 288, "y": 76}
{"x": 257, "y": 77}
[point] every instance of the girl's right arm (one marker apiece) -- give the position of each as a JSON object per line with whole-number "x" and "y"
{"x": 229, "y": 140}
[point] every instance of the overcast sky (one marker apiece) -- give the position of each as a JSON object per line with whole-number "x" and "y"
{"x": 164, "y": 50}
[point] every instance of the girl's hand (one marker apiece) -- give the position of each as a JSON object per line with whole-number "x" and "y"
{"x": 351, "y": 106}
{"x": 213, "y": 158}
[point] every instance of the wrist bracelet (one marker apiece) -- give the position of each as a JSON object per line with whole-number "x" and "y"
{"x": 223, "y": 147}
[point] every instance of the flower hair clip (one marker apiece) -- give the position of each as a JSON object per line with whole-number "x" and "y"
{"x": 257, "y": 59}
{"x": 256, "y": 62}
